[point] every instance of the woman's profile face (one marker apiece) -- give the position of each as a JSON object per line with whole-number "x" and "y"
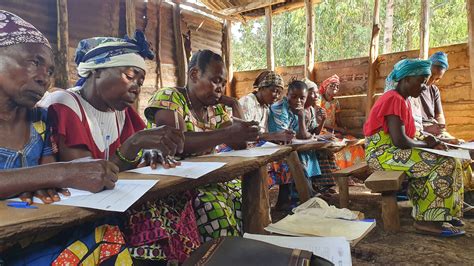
{"x": 271, "y": 94}
{"x": 209, "y": 86}
{"x": 25, "y": 73}
{"x": 414, "y": 85}
{"x": 119, "y": 87}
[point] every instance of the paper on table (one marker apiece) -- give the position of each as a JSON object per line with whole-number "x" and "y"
{"x": 191, "y": 170}
{"x": 334, "y": 249}
{"x": 461, "y": 154}
{"x": 253, "y": 152}
{"x": 467, "y": 145}
{"x": 308, "y": 141}
{"x": 119, "y": 199}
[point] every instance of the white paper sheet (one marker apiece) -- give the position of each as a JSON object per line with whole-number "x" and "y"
{"x": 253, "y": 152}
{"x": 335, "y": 249}
{"x": 119, "y": 199}
{"x": 192, "y": 170}
{"x": 467, "y": 145}
{"x": 460, "y": 154}
{"x": 308, "y": 141}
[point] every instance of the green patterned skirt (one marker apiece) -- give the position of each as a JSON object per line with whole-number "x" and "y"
{"x": 435, "y": 182}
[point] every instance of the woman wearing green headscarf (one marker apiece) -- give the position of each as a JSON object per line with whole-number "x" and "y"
{"x": 435, "y": 182}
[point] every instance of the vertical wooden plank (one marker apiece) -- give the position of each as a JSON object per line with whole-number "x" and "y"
{"x": 343, "y": 185}
{"x": 373, "y": 54}
{"x": 62, "y": 58}
{"x": 130, "y": 17}
{"x": 270, "y": 53}
{"x": 309, "y": 51}
{"x": 159, "y": 71}
{"x": 425, "y": 29}
{"x": 179, "y": 45}
{"x": 390, "y": 214}
{"x": 255, "y": 201}
{"x": 297, "y": 171}
{"x": 227, "y": 54}
{"x": 470, "y": 20}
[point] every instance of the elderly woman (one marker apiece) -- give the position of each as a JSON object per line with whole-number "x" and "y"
{"x": 435, "y": 182}
{"x": 315, "y": 119}
{"x": 27, "y": 158}
{"x": 349, "y": 155}
{"x": 201, "y": 116}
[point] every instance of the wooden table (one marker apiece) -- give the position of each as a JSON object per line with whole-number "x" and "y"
{"x": 16, "y": 224}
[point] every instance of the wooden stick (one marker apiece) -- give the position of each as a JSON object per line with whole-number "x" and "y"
{"x": 309, "y": 51}
{"x": 470, "y": 19}
{"x": 270, "y": 53}
{"x": 425, "y": 29}
{"x": 373, "y": 54}
{"x": 62, "y": 70}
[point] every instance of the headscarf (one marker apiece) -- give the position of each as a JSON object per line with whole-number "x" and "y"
{"x": 15, "y": 30}
{"x": 440, "y": 59}
{"x": 407, "y": 68}
{"x": 105, "y": 52}
{"x": 310, "y": 84}
{"x": 332, "y": 79}
{"x": 271, "y": 79}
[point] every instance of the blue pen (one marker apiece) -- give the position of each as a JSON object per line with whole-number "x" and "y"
{"x": 21, "y": 205}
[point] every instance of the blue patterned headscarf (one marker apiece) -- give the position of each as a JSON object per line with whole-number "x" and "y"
{"x": 407, "y": 68}
{"x": 105, "y": 52}
{"x": 440, "y": 59}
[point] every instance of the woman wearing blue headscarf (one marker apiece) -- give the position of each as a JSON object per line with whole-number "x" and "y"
{"x": 435, "y": 182}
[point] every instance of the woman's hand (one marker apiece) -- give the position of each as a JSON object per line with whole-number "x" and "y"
{"x": 154, "y": 157}
{"x": 321, "y": 114}
{"x": 434, "y": 143}
{"x": 228, "y": 101}
{"x": 46, "y": 195}
{"x": 93, "y": 175}
{"x": 241, "y": 131}
{"x": 284, "y": 136}
{"x": 166, "y": 139}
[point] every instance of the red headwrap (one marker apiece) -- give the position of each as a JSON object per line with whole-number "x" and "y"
{"x": 333, "y": 79}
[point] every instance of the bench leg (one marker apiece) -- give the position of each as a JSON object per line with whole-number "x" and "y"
{"x": 343, "y": 185}
{"x": 297, "y": 172}
{"x": 255, "y": 201}
{"x": 390, "y": 216}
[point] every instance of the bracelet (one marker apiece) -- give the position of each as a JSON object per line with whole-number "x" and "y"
{"x": 123, "y": 159}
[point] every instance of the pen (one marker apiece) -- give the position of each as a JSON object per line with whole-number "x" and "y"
{"x": 107, "y": 147}
{"x": 21, "y": 205}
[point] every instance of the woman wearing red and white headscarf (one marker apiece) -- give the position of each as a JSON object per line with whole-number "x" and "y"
{"x": 350, "y": 155}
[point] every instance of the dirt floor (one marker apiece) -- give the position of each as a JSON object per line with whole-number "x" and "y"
{"x": 405, "y": 247}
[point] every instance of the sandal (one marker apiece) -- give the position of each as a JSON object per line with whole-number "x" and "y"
{"x": 447, "y": 230}
{"x": 456, "y": 222}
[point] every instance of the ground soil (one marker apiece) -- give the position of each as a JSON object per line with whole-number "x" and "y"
{"x": 405, "y": 247}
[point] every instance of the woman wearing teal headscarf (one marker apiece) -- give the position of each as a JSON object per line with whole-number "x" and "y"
{"x": 435, "y": 182}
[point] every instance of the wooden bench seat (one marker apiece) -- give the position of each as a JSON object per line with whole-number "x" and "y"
{"x": 342, "y": 181}
{"x": 387, "y": 183}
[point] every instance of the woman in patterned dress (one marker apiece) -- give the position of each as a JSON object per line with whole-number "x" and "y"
{"x": 435, "y": 182}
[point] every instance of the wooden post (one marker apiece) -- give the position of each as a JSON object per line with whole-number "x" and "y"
{"x": 270, "y": 54}
{"x": 62, "y": 70}
{"x": 297, "y": 171}
{"x": 390, "y": 215}
{"x": 425, "y": 29}
{"x": 309, "y": 51}
{"x": 178, "y": 41}
{"x": 255, "y": 201}
{"x": 159, "y": 71}
{"x": 373, "y": 54}
{"x": 470, "y": 20}
{"x": 227, "y": 52}
{"x": 130, "y": 19}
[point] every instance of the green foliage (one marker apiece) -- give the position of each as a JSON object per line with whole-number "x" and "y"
{"x": 343, "y": 30}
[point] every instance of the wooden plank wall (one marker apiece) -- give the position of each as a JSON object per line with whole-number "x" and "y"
{"x": 89, "y": 18}
{"x": 456, "y": 92}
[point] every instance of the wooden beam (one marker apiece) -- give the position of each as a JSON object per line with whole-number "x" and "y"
{"x": 309, "y": 51}
{"x": 425, "y": 29}
{"x": 227, "y": 54}
{"x": 130, "y": 17}
{"x": 470, "y": 24}
{"x": 373, "y": 54}
{"x": 159, "y": 70}
{"x": 62, "y": 58}
{"x": 178, "y": 41}
{"x": 250, "y": 6}
{"x": 270, "y": 54}
{"x": 210, "y": 12}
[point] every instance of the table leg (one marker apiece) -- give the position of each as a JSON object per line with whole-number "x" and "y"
{"x": 297, "y": 172}
{"x": 255, "y": 201}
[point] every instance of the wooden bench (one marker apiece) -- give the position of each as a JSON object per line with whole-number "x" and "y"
{"x": 387, "y": 183}
{"x": 343, "y": 181}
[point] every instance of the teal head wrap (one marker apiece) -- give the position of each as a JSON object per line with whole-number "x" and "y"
{"x": 440, "y": 59}
{"x": 407, "y": 68}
